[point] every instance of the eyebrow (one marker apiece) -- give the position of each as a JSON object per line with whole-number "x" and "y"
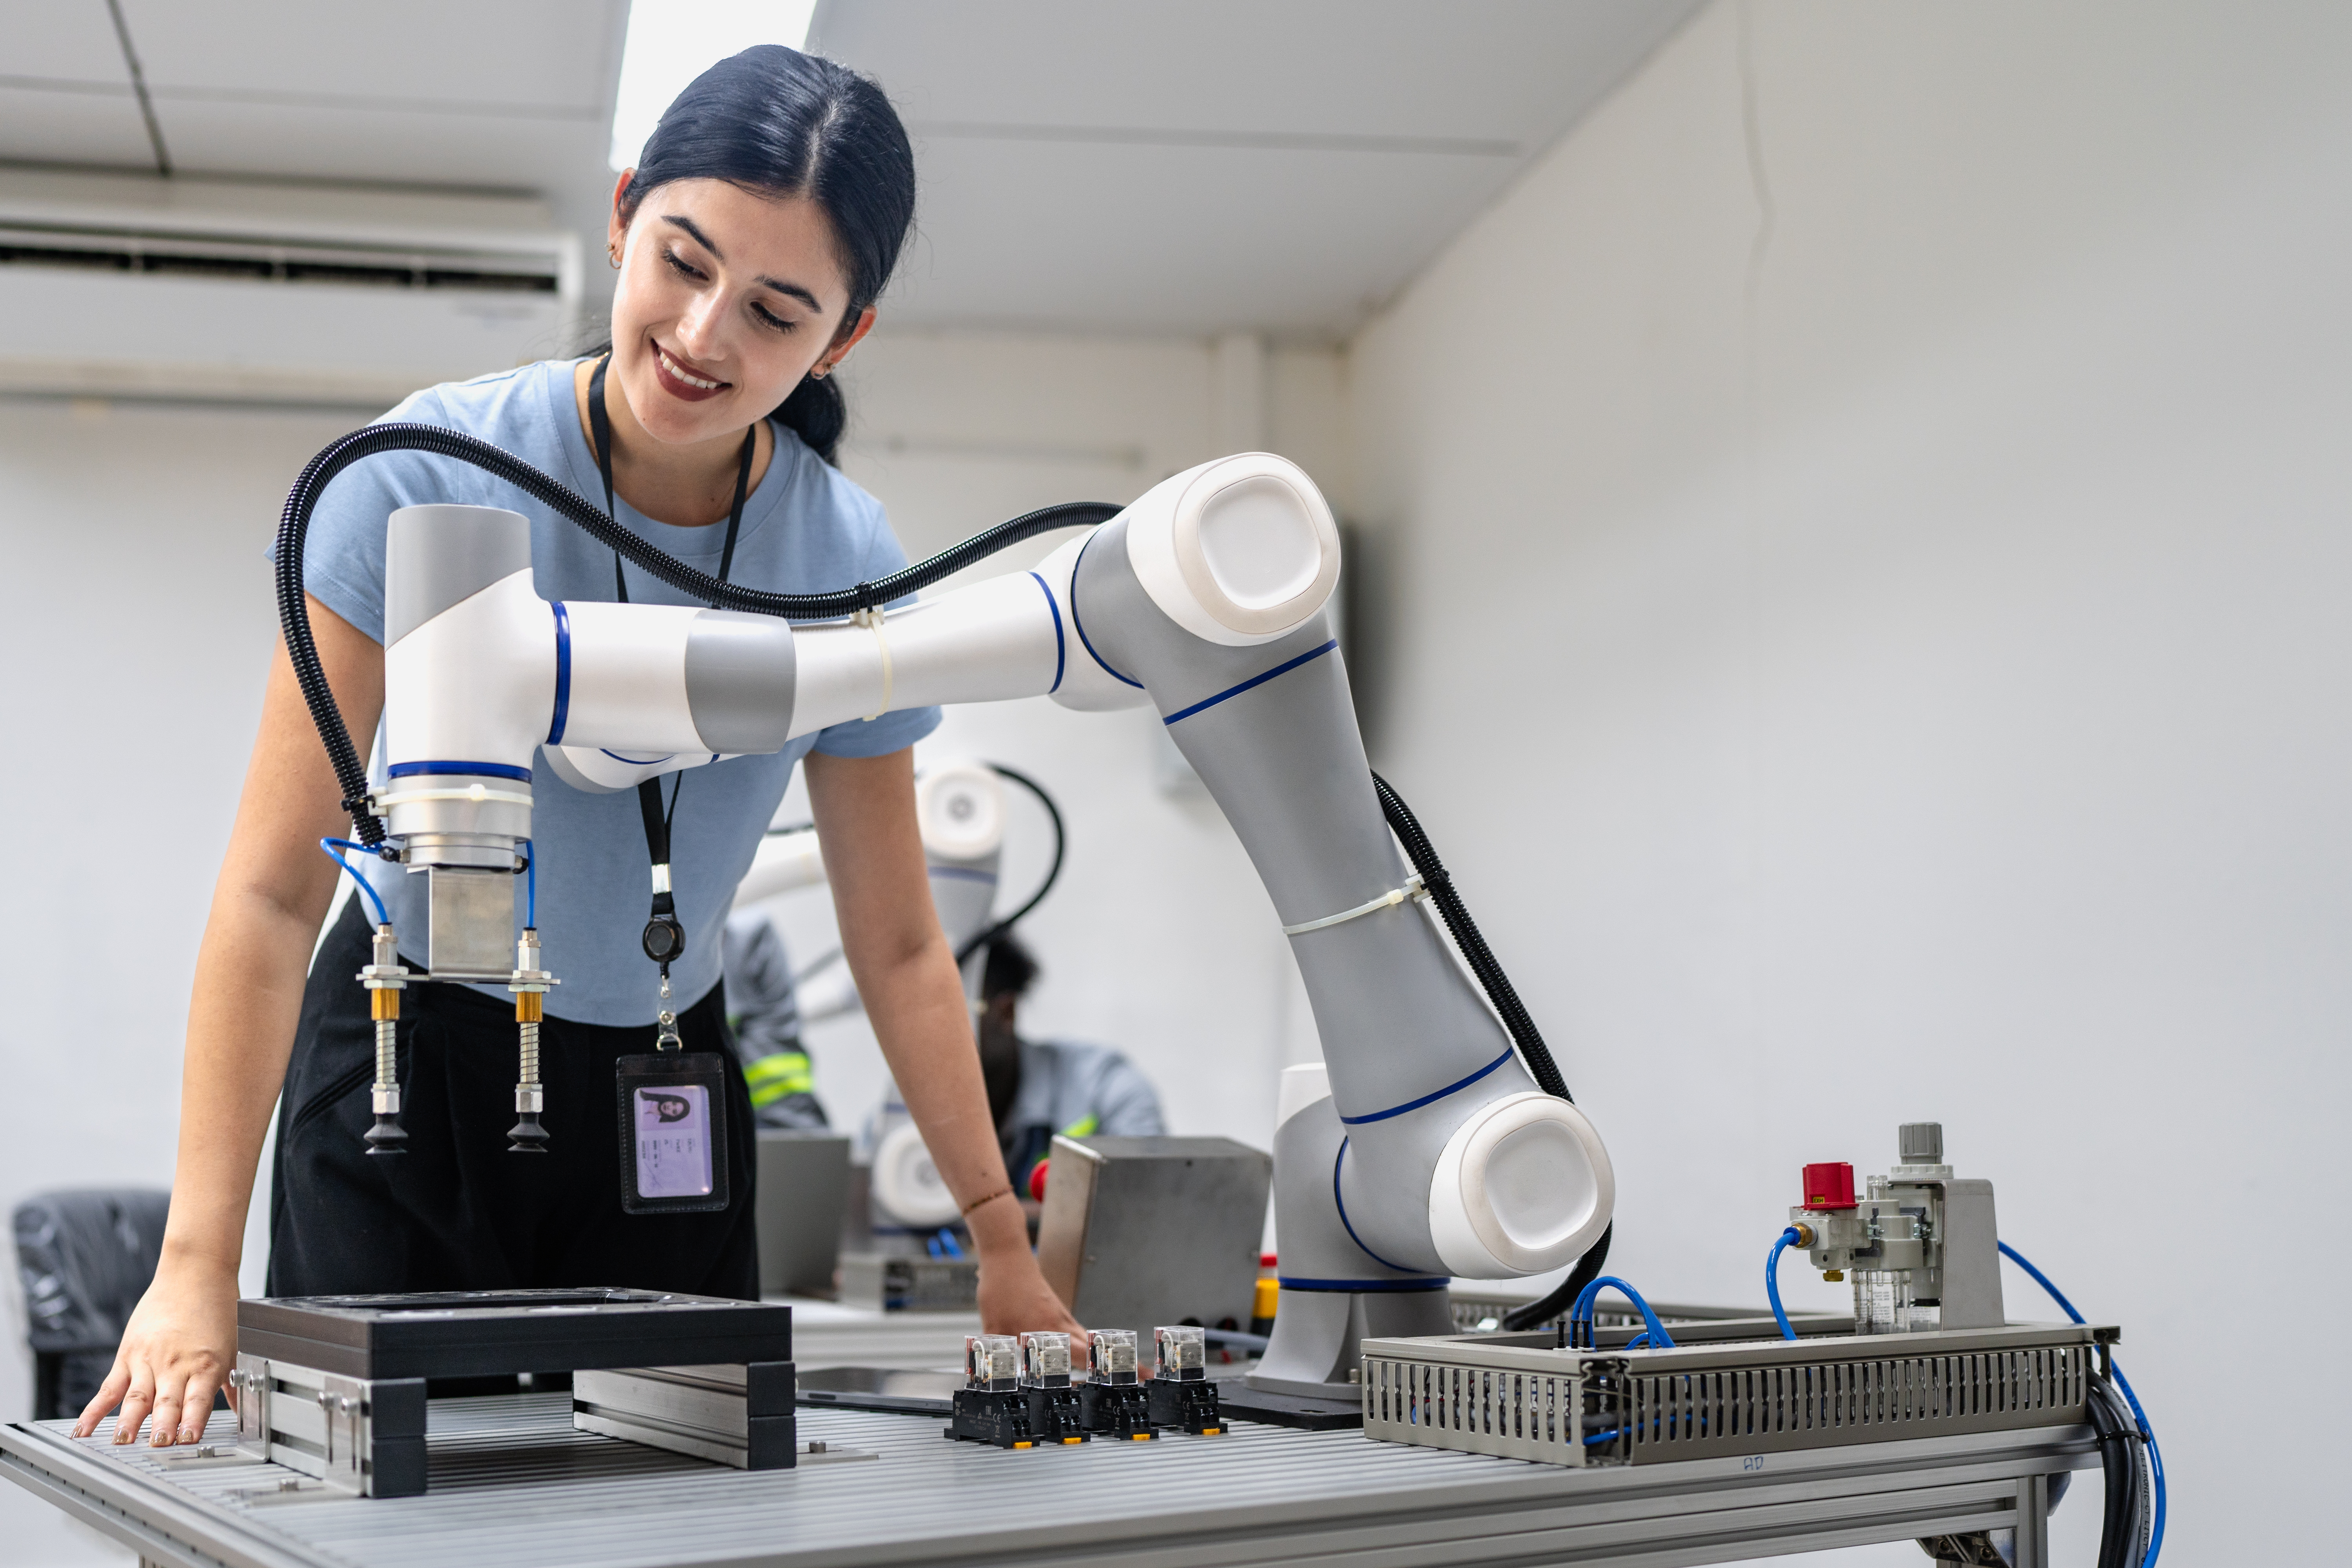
{"x": 779, "y": 285}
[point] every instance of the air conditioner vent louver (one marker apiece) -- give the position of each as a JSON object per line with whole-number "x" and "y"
{"x": 114, "y": 286}
{"x": 277, "y": 261}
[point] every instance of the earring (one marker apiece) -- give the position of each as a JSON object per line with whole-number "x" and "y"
{"x": 613, "y": 255}
{"x": 816, "y": 371}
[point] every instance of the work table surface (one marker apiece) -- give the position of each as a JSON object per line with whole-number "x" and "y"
{"x": 513, "y": 1485}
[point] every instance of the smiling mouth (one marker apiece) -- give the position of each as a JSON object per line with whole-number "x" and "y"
{"x": 683, "y": 375}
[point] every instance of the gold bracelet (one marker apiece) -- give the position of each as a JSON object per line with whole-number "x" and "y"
{"x": 965, "y": 1212}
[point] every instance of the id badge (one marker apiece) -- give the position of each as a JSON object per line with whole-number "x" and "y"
{"x": 673, "y": 1122}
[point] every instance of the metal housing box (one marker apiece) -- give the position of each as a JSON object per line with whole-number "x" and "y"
{"x": 469, "y": 925}
{"x": 909, "y": 1282}
{"x": 1138, "y": 1232}
{"x": 799, "y": 1186}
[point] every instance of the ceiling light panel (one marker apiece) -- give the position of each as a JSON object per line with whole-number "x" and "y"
{"x": 671, "y": 42}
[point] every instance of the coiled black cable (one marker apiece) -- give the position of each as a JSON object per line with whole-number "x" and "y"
{"x": 294, "y": 526}
{"x": 1516, "y": 1021}
{"x": 995, "y": 928}
{"x": 1052, "y": 873}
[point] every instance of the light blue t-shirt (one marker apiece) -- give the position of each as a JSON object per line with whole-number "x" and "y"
{"x": 805, "y": 529}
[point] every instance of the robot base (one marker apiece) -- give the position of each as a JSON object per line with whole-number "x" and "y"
{"x": 1317, "y": 1347}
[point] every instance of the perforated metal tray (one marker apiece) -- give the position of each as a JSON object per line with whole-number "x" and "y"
{"x": 1518, "y": 1396}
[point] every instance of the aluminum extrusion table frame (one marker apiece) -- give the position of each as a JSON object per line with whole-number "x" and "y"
{"x": 513, "y": 1484}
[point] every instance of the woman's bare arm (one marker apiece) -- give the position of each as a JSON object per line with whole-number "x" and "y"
{"x": 865, "y": 809}
{"x": 267, "y": 905}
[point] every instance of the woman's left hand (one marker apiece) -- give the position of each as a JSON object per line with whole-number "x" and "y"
{"x": 1014, "y": 1298}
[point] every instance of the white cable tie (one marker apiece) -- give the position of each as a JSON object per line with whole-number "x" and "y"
{"x": 873, "y": 620}
{"x": 1413, "y": 888}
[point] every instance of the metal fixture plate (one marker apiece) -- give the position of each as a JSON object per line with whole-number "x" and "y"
{"x": 1471, "y": 1306}
{"x": 366, "y": 1438}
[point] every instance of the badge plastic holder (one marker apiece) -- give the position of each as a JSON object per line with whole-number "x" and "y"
{"x": 672, "y": 1108}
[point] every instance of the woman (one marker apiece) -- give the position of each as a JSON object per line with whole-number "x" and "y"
{"x": 751, "y": 241}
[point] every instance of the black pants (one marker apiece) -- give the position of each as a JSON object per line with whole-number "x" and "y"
{"x": 457, "y": 1212}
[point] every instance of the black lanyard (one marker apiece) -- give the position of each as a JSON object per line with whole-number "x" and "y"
{"x": 664, "y": 938}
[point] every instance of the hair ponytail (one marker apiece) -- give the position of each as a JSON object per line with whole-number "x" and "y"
{"x": 776, "y": 120}
{"x": 818, "y": 414}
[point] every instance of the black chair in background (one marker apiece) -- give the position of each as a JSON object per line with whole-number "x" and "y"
{"x": 85, "y": 1258}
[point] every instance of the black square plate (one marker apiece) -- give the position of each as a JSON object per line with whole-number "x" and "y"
{"x": 488, "y": 1333}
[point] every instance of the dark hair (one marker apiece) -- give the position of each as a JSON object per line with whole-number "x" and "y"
{"x": 1008, "y": 969}
{"x": 776, "y": 120}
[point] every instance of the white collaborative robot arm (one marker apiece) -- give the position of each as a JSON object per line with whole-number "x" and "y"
{"x": 1434, "y": 1154}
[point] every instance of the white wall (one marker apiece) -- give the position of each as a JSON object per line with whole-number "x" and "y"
{"x": 1865, "y": 622}
{"x": 137, "y": 632}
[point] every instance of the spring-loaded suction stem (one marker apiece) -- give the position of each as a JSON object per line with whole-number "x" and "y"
{"x": 385, "y": 978}
{"x": 530, "y": 986}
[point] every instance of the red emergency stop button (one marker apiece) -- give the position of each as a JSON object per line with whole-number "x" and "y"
{"x": 1829, "y": 1186}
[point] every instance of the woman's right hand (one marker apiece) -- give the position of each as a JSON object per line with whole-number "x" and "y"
{"x": 175, "y": 1354}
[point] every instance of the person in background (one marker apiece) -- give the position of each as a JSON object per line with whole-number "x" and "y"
{"x": 763, "y": 1016}
{"x": 1039, "y": 1087}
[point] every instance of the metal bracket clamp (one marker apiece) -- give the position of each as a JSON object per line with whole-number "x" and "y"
{"x": 250, "y": 1380}
{"x": 363, "y": 1436}
{"x": 739, "y": 1416}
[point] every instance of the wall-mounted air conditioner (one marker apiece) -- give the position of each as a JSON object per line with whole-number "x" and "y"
{"x": 127, "y": 286}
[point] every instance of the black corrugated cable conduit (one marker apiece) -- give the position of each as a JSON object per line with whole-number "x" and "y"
{"x": 1516, "y": 1021}
{"x": 2116, "y": 1467}
{"x": 294, "y": 525}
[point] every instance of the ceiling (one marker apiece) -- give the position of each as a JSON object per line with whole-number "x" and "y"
{"x": 1282, "y": 166}
{"x": 1111, "y": 165}
{"x": 506, "y": 95}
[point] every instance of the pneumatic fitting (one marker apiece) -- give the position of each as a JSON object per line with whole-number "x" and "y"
{"x": 385, "y": 978}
